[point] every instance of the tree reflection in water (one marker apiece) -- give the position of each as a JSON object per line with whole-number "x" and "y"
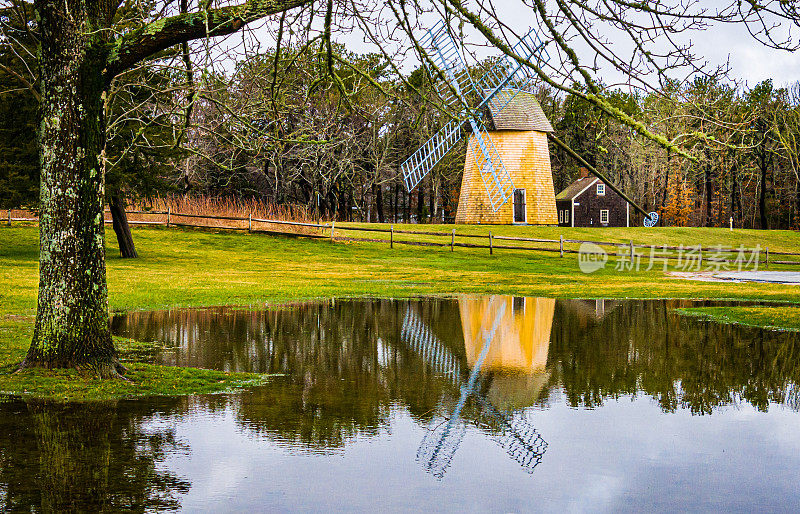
{"x": 347, "y": 366}
{"x": 86, "y": 457}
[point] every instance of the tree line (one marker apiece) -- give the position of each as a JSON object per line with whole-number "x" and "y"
{"x": 292, "y": 133}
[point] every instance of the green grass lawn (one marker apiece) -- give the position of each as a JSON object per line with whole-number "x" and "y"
{"x": 203, "y": 268}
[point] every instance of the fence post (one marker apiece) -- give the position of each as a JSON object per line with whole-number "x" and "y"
{"x": 452, "y": 239}
{"x": 391, "y": 237}
{"x": 561, "y": 244}
{"x": 9, "y": 216}
{"x": 767, "y": 261}
{"x": 490, "y": 243}
{"x": 631, "y": 241}
{"x": 250, "y": 222}
{"x": 169, "y": 215}
{"x": 333, "y": 227}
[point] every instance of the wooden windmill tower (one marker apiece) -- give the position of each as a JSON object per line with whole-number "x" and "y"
{"x": 507, "y": 157}
{"x": 519, "y": 133}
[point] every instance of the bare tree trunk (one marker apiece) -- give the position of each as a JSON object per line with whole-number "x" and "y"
{"x": 762, "y": 194}
{"x": 420, "y": 203}
{"x": 432, "y": 200}
{"x": 796, "y": 219}
{"x": 379, "y": 203}
{"x": 734, "y": 187}
{"x": 394, "y": 203}
{"x": 72, "y": 324}
{"x": 666, "y": 183}
{"x": 119, "y": 221}
{"x": 709, "y": 187}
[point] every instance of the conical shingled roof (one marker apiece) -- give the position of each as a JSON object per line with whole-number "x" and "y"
{"x": 523, "y": 112}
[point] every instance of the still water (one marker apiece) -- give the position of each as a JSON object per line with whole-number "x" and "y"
{"x": 481, "y": 403}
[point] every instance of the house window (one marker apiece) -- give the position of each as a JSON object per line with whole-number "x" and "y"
{"x": 566, "y": 216}
{"x": 603, "y": 215}
{"x": 561, "y": 216}
{"x": 601, "y": 189}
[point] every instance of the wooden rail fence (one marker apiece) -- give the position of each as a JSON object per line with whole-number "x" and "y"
{"x": 339, "y": 233}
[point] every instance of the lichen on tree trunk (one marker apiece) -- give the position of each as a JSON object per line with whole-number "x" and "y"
{"x": 72, "y": 322}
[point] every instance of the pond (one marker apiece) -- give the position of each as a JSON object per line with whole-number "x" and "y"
{"x": 487, "y": 403}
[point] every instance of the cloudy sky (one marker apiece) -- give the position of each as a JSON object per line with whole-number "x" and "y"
{"x": 750, "y": 61}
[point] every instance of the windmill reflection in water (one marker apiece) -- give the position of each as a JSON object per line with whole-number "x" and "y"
{"x": 490, "y": 328}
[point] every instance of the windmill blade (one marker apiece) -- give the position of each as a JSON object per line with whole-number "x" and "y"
{"x": 521, "y": 441}
{"x": 416, "y": 334}
{"x": 496, "y": 180}
{"x": 440, "y": 443}
{"x": 416, "y": 167}
{"x": 443, "y": 51}
{"x": 509, "y": 76}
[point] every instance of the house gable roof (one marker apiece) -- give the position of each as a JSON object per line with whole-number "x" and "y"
{"x": 522, "y": 112}
{"x": 575, "y": 189}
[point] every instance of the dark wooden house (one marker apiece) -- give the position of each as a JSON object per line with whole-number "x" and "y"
{"x": 588, "y": 202}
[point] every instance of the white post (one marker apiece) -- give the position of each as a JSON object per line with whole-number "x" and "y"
{"x": 9, "y": 216}
{"x": 561, "y": 244}
{"x": 452, "y": 239}
{"x": 731, "y": 220}
{"x": 490, "y": 243}
{"x": 169, "y": 215}
{"x": 250, "y": 222}
{"x": 391, "y": 237}
{"x": 333, "y": 227}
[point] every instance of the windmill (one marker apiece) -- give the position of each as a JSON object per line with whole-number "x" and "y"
{"x": 499, "y": 88}
{"x": 512, "y": 432}
{"x": 506, "y": 84}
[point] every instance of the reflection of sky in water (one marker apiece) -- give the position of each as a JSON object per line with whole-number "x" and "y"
{"x": 613, "y": 388}
{"x": 597, "y": 460}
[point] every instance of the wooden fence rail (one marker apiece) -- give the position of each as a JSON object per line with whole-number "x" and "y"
{"x": 704, "y": 254}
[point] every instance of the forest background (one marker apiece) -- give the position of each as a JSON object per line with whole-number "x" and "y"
{"x": 281, "y": 129}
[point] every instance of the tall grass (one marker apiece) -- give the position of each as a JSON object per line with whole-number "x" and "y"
{"x": 154, "y": 210}
{"x": 179, "y": 206}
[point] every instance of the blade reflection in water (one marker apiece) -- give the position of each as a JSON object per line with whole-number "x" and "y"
{"x": 443, "y": 437}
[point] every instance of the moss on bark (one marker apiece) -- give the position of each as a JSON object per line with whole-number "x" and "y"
{"x": 72, "y": 323}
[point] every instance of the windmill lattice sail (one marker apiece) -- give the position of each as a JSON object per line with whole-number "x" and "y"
{"x": 495, "y": 86}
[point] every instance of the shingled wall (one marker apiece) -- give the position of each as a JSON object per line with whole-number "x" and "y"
{"x": 527, "y": 159}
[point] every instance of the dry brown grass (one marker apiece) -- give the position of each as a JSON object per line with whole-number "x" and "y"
{"x": 184, "y": 211}
{"x": 184, "y": 208}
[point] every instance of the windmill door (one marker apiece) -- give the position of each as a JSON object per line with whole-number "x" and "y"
{"x": 520, "y": 214}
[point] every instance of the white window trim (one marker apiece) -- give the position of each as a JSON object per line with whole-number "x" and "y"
{"x": 572, "y": 213}
{"x": 566, "y": 216}
{"x": 601, "y": 189}
{"x": 560, "y": 216}
{"x": 601, "y": 216}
